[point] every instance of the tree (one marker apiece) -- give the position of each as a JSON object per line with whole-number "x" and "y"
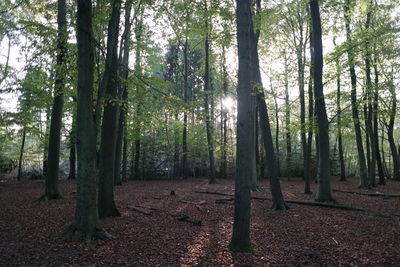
{"x": 86, "y": 224}
{"x": 354, "y": 109}
{"x": 245, "y": 161}
{"x": 323, "y": 177}
{"x": 51, "y": 185}
{"x": 278, "y": 201}
{"x": 109, "y": 129}
{"x": 208, "y": 98}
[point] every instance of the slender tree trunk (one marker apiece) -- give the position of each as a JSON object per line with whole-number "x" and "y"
{"x": 51, "y": 183}
{"x": 277, "y": 196}
{"x": 277, "y": 133}
{"x": 393, "y": 147}
{"x": 207, "y": 100}
{"x": 185, "y": 115}
{"x": 379, "y": 164}
{"x": 86, "y": 224}
{"x": 324, "y": 185}
{"x": 339, "y": 121}
{"x": 311, "y": 120}
{"x": 123, "y": 93}
{"x": 109, "y": 129}
{"x": 287, "y": 119}
{"x": 364, "y": 183}
{"x": 245, "y": 161}
{"x": 371, "y": 112}
{"x": 21, "y": 154}
{"x": 224, "y": 119}
{"x": 72, "y": 148}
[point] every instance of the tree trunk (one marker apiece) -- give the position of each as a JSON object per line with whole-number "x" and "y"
{"x": 224, "y": 119}
{"x": 245, "y": 161}
{"x": 277, "y": 196}
{"x": 207, "y": 100}
{"x": 185, "y": 115}
{"x": 311, "y": 120}
{"x": 287, "y": 119}
{"x": 21, "y": 154}
{"x": 379, "y": 163}
{"x": 109, "y": 129}
{"x": 324, "y": 185}
{"x": 86, "y": 224}
{"x": 339, "y": 121}
{"x": 51, "y": 183}
{"x": 72, "y": 148}
{"x": 393, "y": 147}
{"x": 360, "y": 150}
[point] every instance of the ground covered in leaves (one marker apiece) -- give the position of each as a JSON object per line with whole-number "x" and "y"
{"x": 31, "y": 231}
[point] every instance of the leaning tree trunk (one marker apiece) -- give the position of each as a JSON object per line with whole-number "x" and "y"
{"x": 324, "y": 185}
{"x": 277, "y": 196}
{"x": 86, "y": 224}
{"x": 245, "y": 161}
{"x": 109, "y": 128}
{"x": 364, "y": 183}
{"x": 393, "y": 147}
{"x": 51, "y": 183}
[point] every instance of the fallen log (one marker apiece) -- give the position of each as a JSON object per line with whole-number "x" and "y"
{"x": 224, "y": 200}
{"x": 213, "y": 193}
{"x": 185, "y": 218}
{"x": 318, "y": 204}
{"x": 366, "y": 194}
{"x": 194, "y": 203}
{"x": 139, "y": 209}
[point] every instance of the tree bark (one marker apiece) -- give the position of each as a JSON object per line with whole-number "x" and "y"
{"x": 207, "y": 100}
{"x": 371, "y": 112}
{"x": 109, "y": 128}
{"x": 277, "y": 196}
{"x": 364, "y": 183}
{"x": 51, "y": 183}
{"x": 287, "y": 119}
{"x": 245, "y": 161}
{"x": 392, "y": 143}
{"x": 185, "y": 115}
{"x": 86, "y": 224}
{"x": 21, "y": 154}
{"x": 324, "y": 186}
{"x": 339, "y": 121}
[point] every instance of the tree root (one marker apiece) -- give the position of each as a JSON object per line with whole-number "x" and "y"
{"x": 366, "y": 194}
{"x": 75, "y": 233}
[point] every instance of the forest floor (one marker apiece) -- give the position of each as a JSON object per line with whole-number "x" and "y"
{"x": 31, "y": 231}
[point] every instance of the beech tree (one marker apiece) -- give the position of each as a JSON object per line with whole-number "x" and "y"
{"x": 323, "y": 177}
{"x": 86, "y": 224}
{"x": 51, "y": 185}
{"x": 245, "y": 156}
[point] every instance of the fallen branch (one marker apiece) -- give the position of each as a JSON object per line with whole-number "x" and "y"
{"x": 139, "y": 209}
{"x": 318, "y": 204}
{"x": 213, "y": 193}
{"x": 185, "y": 218}
{"x": 224, "y": 200}
{"x": 366, "y": 194}
{"x": 194, "y": 203}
